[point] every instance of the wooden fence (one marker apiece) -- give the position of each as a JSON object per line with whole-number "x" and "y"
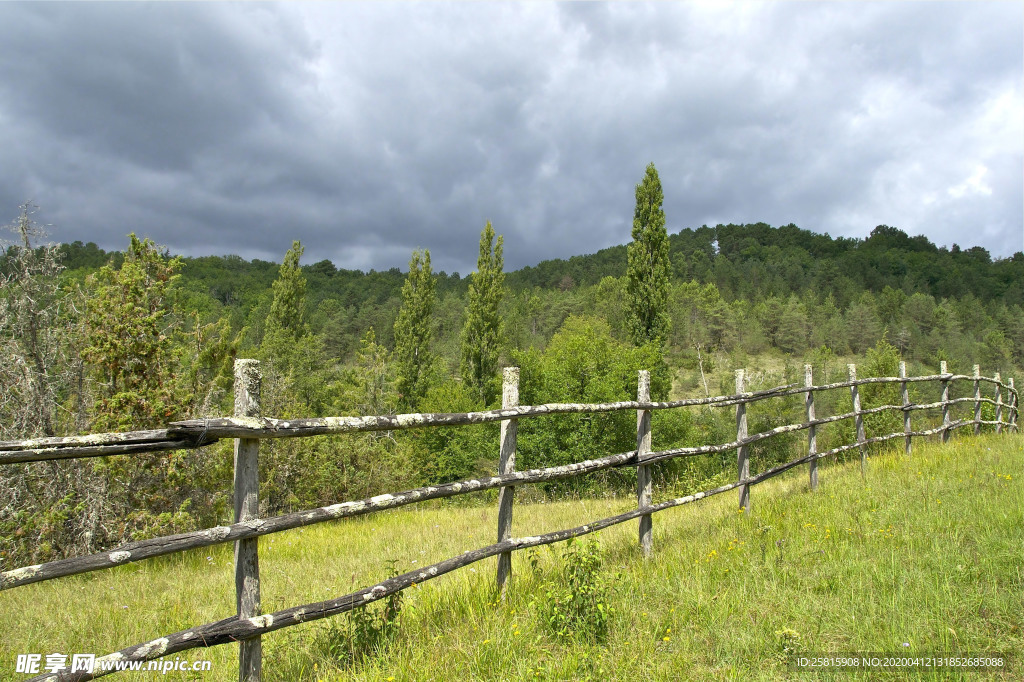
{"x": 247, "y": 427}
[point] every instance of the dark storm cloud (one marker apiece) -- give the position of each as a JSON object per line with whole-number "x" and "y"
{"x": 367, "y": 130}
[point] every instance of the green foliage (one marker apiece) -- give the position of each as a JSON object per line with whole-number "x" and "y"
{"x": 583, "y": 363}
{"x": 647, "y": 271}
{"x": 288, "y": 309}
{"x": 371, "y": 380}
{"x": 128, "y": 340}
{"x": 578, "y": 608}
{"x": 482, "y": 332}
{"x": 793, "y": 327}
{"x": 882, "y": 361}
{"x": 367, "y": 632}
{"x": 413, "y": 358}
{"x": 446, "y": 454}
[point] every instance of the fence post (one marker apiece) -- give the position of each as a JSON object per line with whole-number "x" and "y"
{"x": 855, "y": 394}
{"x": 812, "y": 437}
{"x": 999, "y": 404}
{"x": 977, "y": 400}
{"x": 906, "y": 405}
{"x": 1014, "y": 406}
{"x": 643, "y": 471}
{"x": 506, "y": 465}
{"x": 743, "y": 453}
{"x": 945, "y": 402}
{"x": 246, "y": 488}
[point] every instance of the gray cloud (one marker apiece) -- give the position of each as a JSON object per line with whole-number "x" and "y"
{"x": 367, "y": 130}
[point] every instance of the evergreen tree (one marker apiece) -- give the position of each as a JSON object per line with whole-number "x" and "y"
{"x": 792, "y": 332}
{"x": 128, "y": 339}
{"x": 288, "y": 308}
{"x": 413, "y": 357}
{"x": 481, "y": 334}
{"x": 648, "y": 265}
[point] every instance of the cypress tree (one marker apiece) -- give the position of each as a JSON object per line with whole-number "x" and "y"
{"x": 413, "y": 359}
{"x": 647, "y": 270}
{"x": 481, "y": 334}
{"x": 287, "y": 310}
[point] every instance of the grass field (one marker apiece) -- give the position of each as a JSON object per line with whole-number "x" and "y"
{"x": 923, "y": 557}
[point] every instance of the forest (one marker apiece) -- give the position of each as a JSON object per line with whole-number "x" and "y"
{"x": 99, "y": 341}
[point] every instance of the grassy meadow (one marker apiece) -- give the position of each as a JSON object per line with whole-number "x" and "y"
{"x": 924, "y": 556}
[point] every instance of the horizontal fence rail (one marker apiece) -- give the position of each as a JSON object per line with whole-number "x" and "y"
{"x": 248, "y": 625}
{"x": 196, "y": 433}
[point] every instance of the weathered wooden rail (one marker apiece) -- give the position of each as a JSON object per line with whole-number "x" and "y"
{"x": 247, "y": 427}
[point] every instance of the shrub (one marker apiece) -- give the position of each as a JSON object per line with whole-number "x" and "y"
{"x": 367, "y": 631}
{"x": 578, "y": 607}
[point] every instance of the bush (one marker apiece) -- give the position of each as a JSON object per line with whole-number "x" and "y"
{"x": 578, "y": 607}
{"x": 367, "y": 631}
{"x": 584, "y": 363}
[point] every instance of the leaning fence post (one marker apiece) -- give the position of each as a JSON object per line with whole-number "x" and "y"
{"x": 812, "y": 437}
{"x": 977, "y": 400}
{"x": 906, "y": 406}
{"x": 246, "y": 488}
{"x": 855, "y": 394}
{"x": 743, "y": 453}
{"x": 945, "y": 401}
{"x": 506, "y": 465}
{"x": 643, "y": 471}
{"x": 999, "y": 403}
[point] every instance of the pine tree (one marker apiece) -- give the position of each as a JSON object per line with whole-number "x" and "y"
{"x": 481, "y": 334}
{"x": 288, "y": 308}
{"x": 413, "y": 358}
{"x": 648, "y": 265}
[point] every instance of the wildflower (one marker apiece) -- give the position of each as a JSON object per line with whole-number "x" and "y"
{"x": 665, "y": 639}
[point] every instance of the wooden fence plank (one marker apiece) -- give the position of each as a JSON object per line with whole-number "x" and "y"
{"x": 197, "y": 433}
{"x": 743, "y": 452}
{"x": 506, "y": 465}
{"x": 643, "y": 471}
{"x": 812, "y": 436}
{"x": 247, "y": 481}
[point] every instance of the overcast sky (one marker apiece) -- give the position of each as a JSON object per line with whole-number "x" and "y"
{"x": 368, "y": 130}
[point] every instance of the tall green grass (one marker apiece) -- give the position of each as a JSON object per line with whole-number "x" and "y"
{"x": 922, "y": 557}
